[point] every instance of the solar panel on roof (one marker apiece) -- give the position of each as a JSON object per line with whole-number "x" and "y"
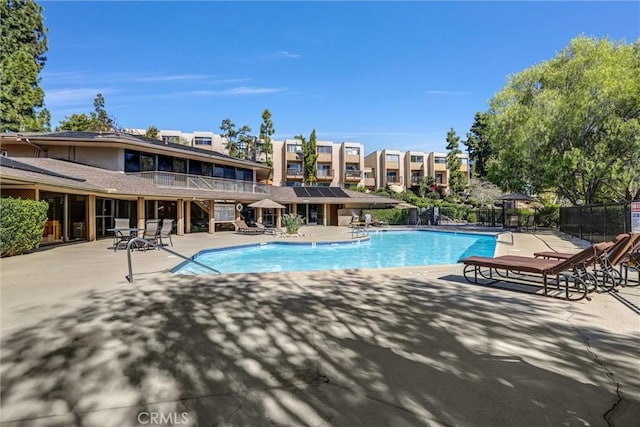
{"x": 328, "y": 192}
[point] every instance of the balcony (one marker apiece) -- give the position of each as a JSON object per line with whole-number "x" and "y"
{"x": 352, "y": 175}
{"x": 198, "y": 182}
{"x": 295, "y": 173}
{"x": 393, "y": 180}
{"x": 324, "y": 174}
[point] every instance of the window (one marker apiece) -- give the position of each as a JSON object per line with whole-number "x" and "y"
{"x": 131, "y": 161}
{"x": 202, "y": 140}
{"x": 165, "y": 163}
{"x": 244, "y": 174}
{"x": 392, "y": 176}
{"x": 147, "y": 162}
{"x": 293, "y": 184}
{"x": 417, "y": 159}
{"x": 195, "y": 167}
{"x": 464, "y": 160}
{"x": 218, "y": 171}
{"x": 393, "y": 157}
{"x": 294, "y": 148}
{"x": 369, "y": 175}
{"x": 352, "y": 151}
{"x": 440, "y": 160}
{"x": 296, "y": 166}
{"x": 439, "y": 178}
{"x": 352, "y": 167}
{"x": 323, "y": 184}
{"x": 179, "y": 165}
{"x": 324, "y": 149}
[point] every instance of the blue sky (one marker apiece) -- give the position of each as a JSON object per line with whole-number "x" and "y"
{"x": 387, "y": 74}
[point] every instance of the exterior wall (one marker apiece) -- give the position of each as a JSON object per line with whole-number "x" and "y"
{"x": 105, "y": 158}
{"x": 372, "y": 162}
{"x": 19, "y": 193}
{"x": 278, "y": 164}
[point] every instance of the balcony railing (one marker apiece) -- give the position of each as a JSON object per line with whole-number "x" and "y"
{"x": 324, "y": 173}
{"x": 181, "y": 180}
{"x": 353, "y": 174}
{"x": 296, "y": 173}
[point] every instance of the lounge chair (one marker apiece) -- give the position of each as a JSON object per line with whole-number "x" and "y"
{"x": 243, "y": 228}
{"x": 266, "y": 230}
{"x": 529, "y": 271}
{"x": 514, "y": 223}
{"x": 152, "y": 231}
{"x": 165, "y": 231}
{"x": 614, "y": 253}
{"x": 530, "y": 224}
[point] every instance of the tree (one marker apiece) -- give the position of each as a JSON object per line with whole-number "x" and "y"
{"x": 478, "y": 144}
{"x": 266, "y": 131}
{"x": 97, "y": 121}
{"x": 427, "y": 184}
{"x": 309, "y": 158}
{"x": 457, "y": 179}
{"x": 571, "y": 124}
{"x": 236, "y": 139}
{"x": 152, "y": 132}
{"x": 23, "y": 44}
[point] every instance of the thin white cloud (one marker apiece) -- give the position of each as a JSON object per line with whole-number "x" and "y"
{"x": 290, "y": 55}
{"x": 448, "y": 92}
{"x": 73, "y": 96}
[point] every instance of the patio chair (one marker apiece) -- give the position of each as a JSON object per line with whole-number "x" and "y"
{"x": 243, "y": 228}
{"x": 513, "y": 224}
{"x": 152, "y": 231}
{"x": 119, "y": 236}
{"x": 536, "y": 271}
{"x": 165, "y": 231}
{"x": 530, "y": 224}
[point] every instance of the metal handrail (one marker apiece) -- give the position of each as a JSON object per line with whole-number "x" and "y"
{"x": 150, "y": 243}
{"x": 358, "y": 230}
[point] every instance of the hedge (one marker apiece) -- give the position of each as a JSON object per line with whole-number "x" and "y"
{"x": 392, "y": 216}
{"x": 21, "y": 225}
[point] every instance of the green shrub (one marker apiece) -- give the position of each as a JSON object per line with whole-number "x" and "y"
{"x": 549, "y": 216}
{"x": 472, "y": 218}
{"x": 21, "y": 225}
{"x": 392, "y": 216}
{"x": 292, "y": 223}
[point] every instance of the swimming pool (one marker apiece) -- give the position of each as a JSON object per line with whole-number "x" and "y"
{"x": 383, "y": 249}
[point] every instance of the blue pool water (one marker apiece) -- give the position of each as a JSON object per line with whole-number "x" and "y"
{"x": 383, "y": 249}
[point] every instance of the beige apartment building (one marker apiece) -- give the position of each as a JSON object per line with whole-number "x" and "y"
{"x": 401, "y": 171}
{"x": 338, "y": 164}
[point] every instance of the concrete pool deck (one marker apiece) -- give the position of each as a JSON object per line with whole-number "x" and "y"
{"x": 387, "y": 347}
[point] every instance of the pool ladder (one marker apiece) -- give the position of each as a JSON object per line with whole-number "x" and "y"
{"x": 358, "y": 232}
{"x": 149, "y": 244}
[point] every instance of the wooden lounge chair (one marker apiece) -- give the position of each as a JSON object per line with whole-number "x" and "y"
{"x": 614, "y": 253}
{"x": 529, "y": 271}
{"x": 243, "y": 228}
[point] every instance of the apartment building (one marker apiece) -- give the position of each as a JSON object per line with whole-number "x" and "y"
{"x": 337, "y": 164}
{"x": 401, "y": 171}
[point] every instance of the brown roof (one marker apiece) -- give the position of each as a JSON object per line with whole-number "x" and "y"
{"x": 71, "y": 175}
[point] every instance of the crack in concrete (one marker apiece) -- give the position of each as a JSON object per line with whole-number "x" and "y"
{"x": 587, "y": 341}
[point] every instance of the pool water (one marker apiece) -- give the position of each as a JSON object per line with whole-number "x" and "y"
{"x": 383, "y": 249}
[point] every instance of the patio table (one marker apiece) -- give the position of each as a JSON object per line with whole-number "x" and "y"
{"x": 123, "y": 235}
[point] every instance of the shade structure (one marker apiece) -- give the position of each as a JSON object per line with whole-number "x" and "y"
{"x": 516, "y": 197}
{"x": 266, "y": 204}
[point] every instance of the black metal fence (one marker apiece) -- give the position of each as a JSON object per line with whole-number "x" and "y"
{"x": 596, "y": 223}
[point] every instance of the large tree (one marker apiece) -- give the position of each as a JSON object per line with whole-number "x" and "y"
{"x": 266, "y": 131}
{"x": 97, "y": 121}
{"x": 478, "y": 144}
{"x": 309, "y": 158}
{"x": 457, "y": 180}
{"x": 236, "y": 139}
{"x": 23, "y": 44}
{"x": 571, "y": 124}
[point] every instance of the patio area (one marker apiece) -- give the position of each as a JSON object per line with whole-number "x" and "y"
{"x": 388, "y": 347}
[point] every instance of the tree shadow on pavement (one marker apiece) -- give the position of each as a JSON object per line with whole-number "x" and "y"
{"x": 350, "y": 348}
